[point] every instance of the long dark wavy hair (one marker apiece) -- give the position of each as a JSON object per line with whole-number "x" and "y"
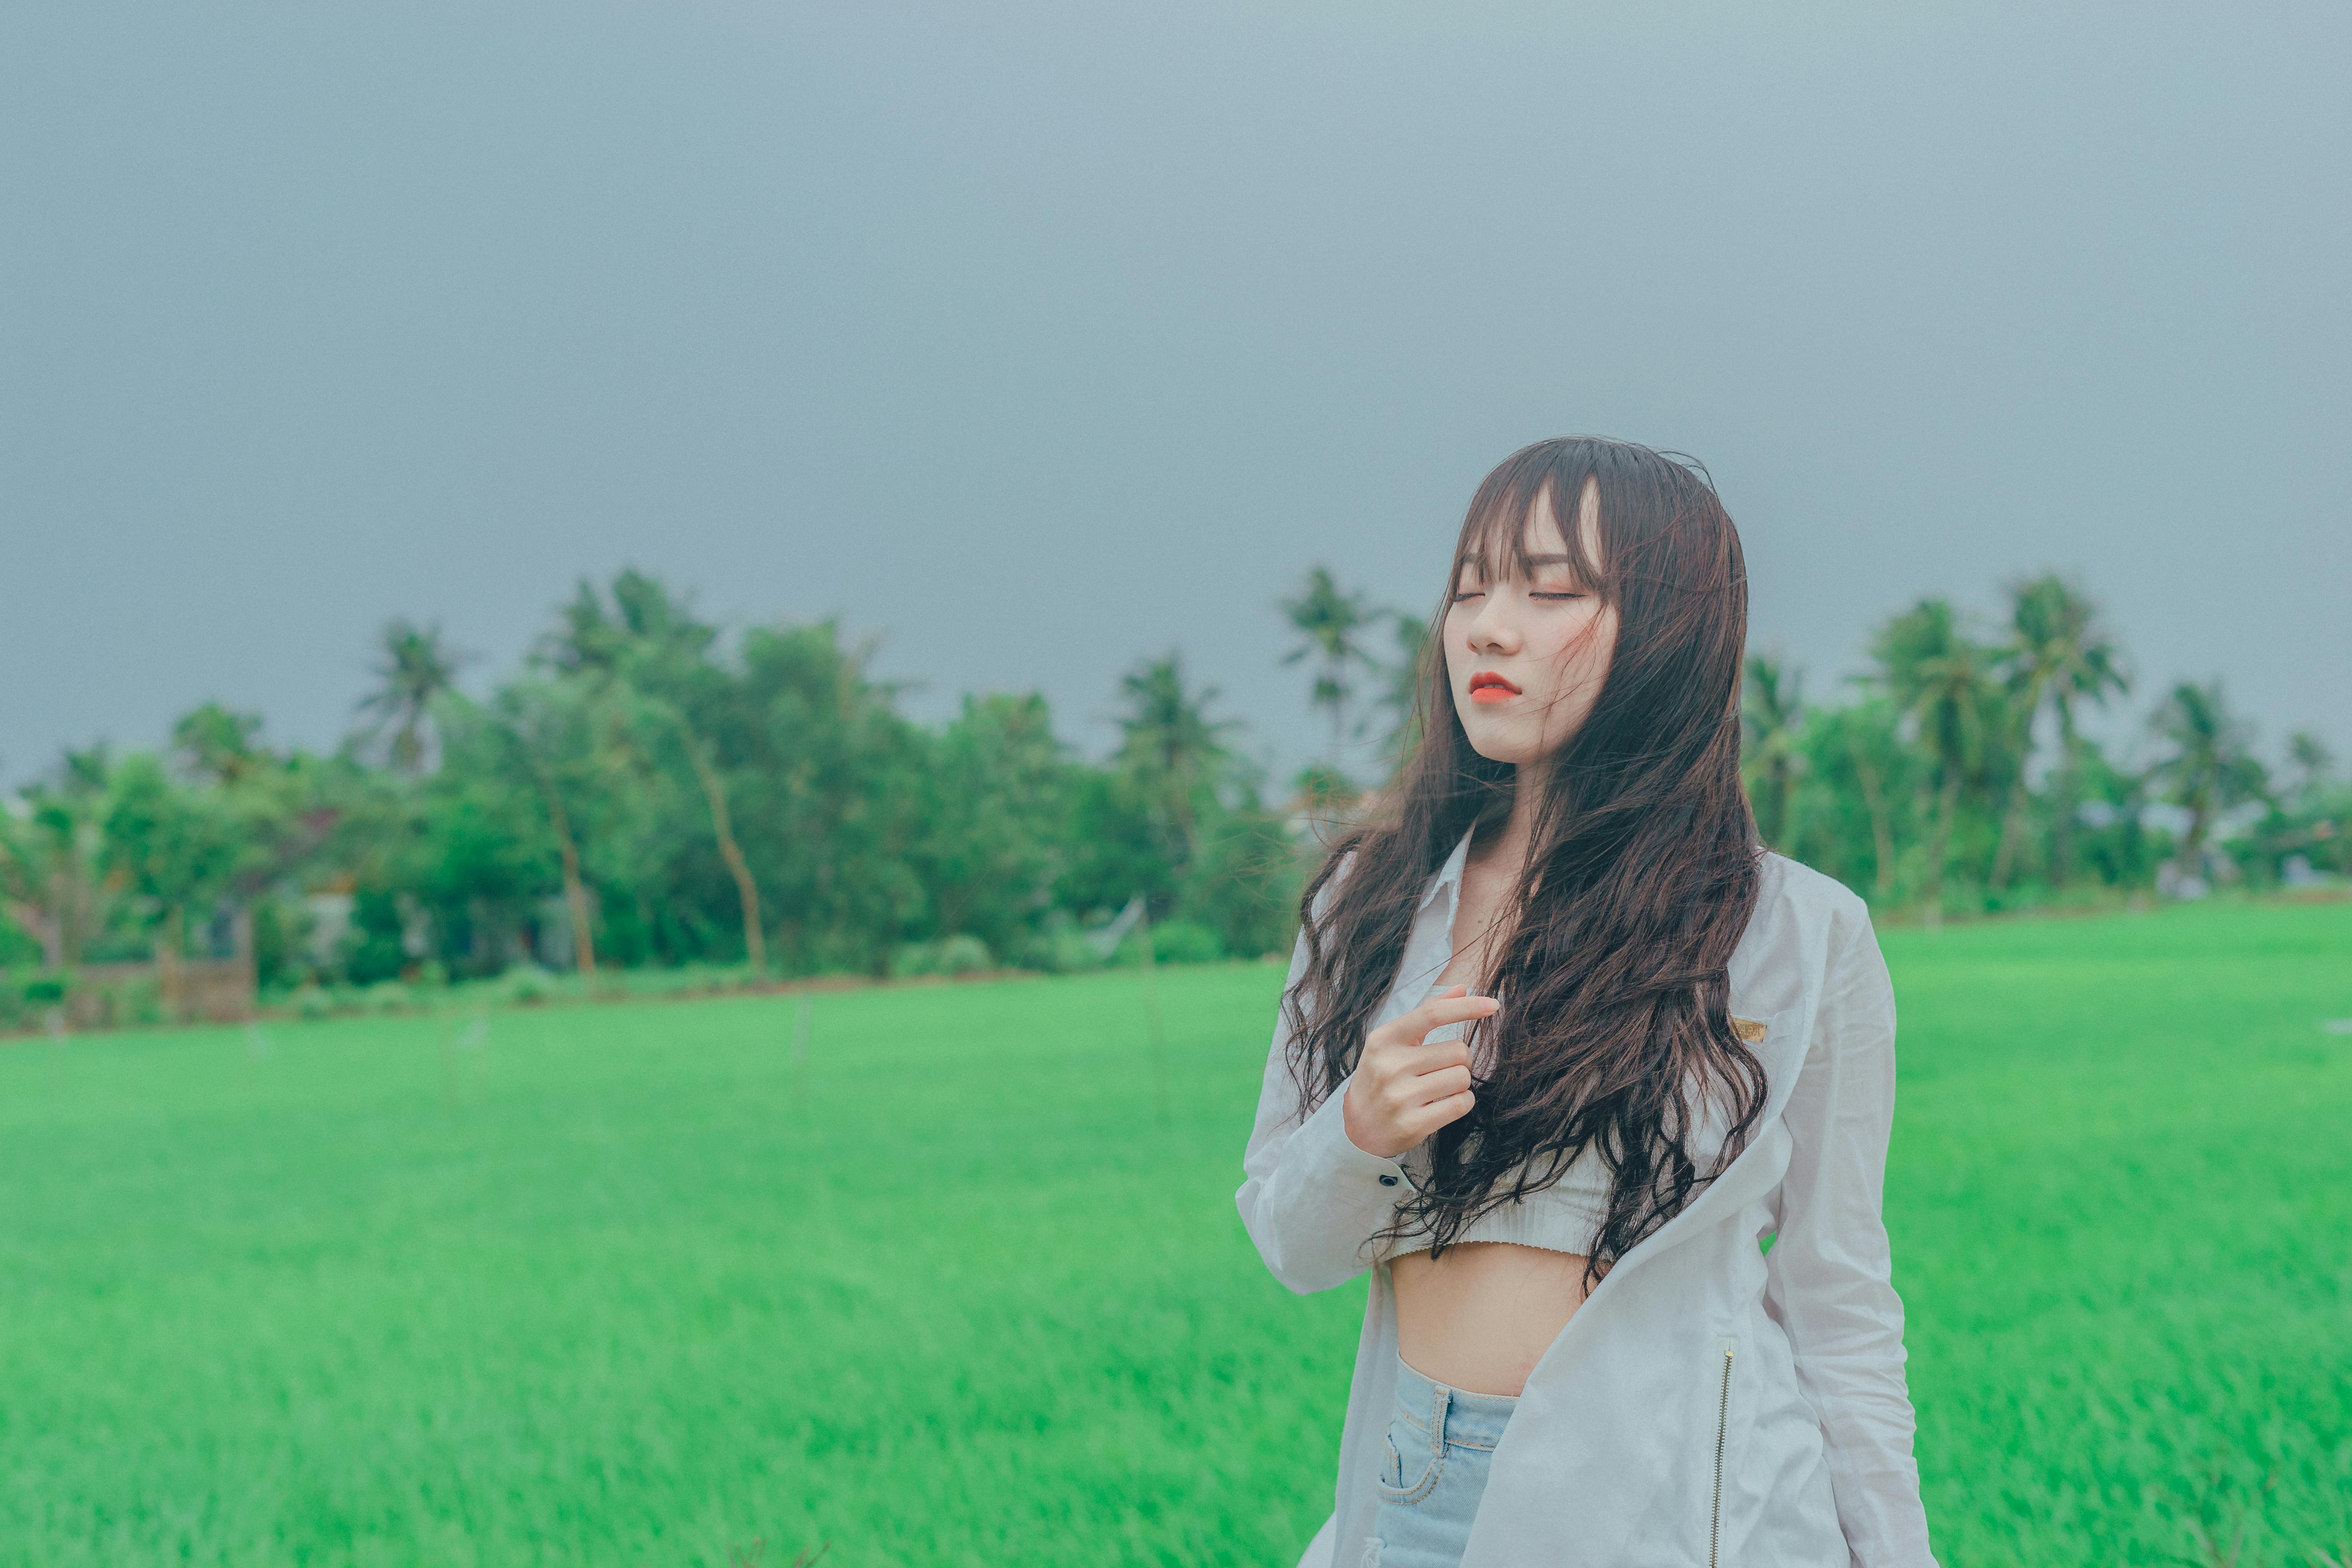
{"x": 1616, "y": 1032}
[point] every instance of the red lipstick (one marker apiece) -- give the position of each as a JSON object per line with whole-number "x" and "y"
{"x": 1487, "y": 686}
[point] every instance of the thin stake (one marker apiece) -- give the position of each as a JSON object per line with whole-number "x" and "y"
{"x": 446, "y": 1036}
{"x": 475, "y": 1039}
{"x": 799, "y": 1047}
{"x": 1151, "y": 1019}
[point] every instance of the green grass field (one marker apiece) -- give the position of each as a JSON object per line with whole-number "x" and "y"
{"x": 621, "y": 1286}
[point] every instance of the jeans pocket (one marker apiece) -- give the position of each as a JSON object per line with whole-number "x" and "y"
{"x": 1393, "y": 1487}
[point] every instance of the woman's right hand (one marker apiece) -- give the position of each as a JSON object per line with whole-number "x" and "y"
{"x": 1403, "y": 1089}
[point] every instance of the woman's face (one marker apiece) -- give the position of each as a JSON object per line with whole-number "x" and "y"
{"x": 1526, "y": 656}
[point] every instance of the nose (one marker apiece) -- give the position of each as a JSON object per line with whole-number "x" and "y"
{"x": 1493, "y": 629}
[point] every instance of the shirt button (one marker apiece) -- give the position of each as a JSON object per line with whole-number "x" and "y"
{"x": 1388, "y": 1180}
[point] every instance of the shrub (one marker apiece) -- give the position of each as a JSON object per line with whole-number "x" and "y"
{"x": 142, "y": 1002}
{"x": 527, "y": 985}
{"x": 1061, "y": 949}
{"x": 25, "y": 997}
{"x": 948, "y": 955}
{"x": 1184, "y": 942}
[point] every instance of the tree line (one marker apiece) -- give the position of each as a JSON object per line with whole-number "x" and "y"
{"x": 1955, "y": 776}
{"x": 650, "y": 791}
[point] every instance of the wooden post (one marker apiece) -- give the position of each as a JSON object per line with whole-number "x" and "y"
{"x": 801, "y": 1029}
{"x": 1151, "y": 1022}
{"x": 170, "y": 974}
{"x": 240, "y": 925}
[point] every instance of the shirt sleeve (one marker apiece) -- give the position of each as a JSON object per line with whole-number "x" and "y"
{"x": 1829, "y": 1281}
{"x": 1312, "y": 1200}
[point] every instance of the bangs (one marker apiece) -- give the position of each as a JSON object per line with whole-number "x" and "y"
{"x": 1494, "y": 540}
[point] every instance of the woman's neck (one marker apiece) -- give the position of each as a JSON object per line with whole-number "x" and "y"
{"x": 1506, "y": 850}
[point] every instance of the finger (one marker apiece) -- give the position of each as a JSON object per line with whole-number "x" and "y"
{"x": 1445, "y": 1010}
{"x": 1406, "y": 1094}
{"x": 1442, "y": 1084}
{"x": 1433, "y": 1055}
{"x": 1421, "y": 1123}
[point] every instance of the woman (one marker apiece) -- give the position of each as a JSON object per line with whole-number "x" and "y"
{"x": 1630, "y": 1299}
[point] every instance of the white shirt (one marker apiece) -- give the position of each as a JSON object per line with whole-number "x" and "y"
{"x": 1710, "y": 1403}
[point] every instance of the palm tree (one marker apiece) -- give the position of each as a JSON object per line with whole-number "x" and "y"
{"x": 1942, "y": 680}
{"x": 219, "y": 745}
{"x": 1869, "y": 735}
{"x": 650, "y": 652}
{"x": 1402, "y": 679}
{"x": 53, "y": 878}
{"x": 1771, "y": 709}
{"x": 1330, "y": 624}
{"x": 2210, "y": 769}
{"x": 414, "y": 666}
{"x": 48, "y": 843}
{"x": 1170, "y": 747}
{"x": 2315, "y": 765}
{"x": 549, "y": 727}
{"x": 2059, "y": 654}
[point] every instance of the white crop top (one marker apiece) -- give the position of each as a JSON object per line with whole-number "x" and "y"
{"x": 1563, "y": 1217}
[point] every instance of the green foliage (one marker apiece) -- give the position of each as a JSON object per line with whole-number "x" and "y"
{"x": 1772, "y": 704}
{"x": 1930, "y": 788}
{"x": 1185, "y": 941}
{"x": 527, "y": 983}
{"x": 17, "y": 950}
{"x": 949, "y": 955}
{"x": 389, "y": 997}
{"x": 1244, "y": 882}
{"x": 2210, "y": 769}
{"x": 373, "y": 952}
{"x": 1331, "y": 625}
{"x": 992, "y": 820}
{"x": 415, "y": 668}
{"x": 652, "y": 792}
{"x": 1061, "y": 948}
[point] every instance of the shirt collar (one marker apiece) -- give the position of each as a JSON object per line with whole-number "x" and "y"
{"x": 1449, "y": 876}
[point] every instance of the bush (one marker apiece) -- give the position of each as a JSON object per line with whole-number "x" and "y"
{"x": 1185, "y": 941}
{"x": 374, "y": 949}
{"x": 527, "y": 985}
{"x": 141, "y": 1001}
{"x": 24, "y": 997}
{"x": 16, "y": 1007}
{"x": 390, "y": 996}
{"x": 1244, "y": 884}
{"x": 313, "y": 1001}
{"x": 948, "y": 955}
{"x": 1061, "y": 949}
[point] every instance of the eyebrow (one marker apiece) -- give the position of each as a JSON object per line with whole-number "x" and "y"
{"x": 1473, "y": 563}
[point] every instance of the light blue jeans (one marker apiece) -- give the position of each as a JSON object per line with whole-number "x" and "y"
{"x": 1441, "y": 1444}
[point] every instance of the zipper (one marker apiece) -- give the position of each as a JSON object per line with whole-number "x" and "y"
{"x": 1722, "y": 1427}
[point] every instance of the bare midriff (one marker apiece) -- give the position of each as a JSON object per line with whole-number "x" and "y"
{"x": 1482, "y": 1316}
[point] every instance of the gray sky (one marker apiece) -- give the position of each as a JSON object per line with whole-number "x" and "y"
{"x": 1035, "y": 339}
